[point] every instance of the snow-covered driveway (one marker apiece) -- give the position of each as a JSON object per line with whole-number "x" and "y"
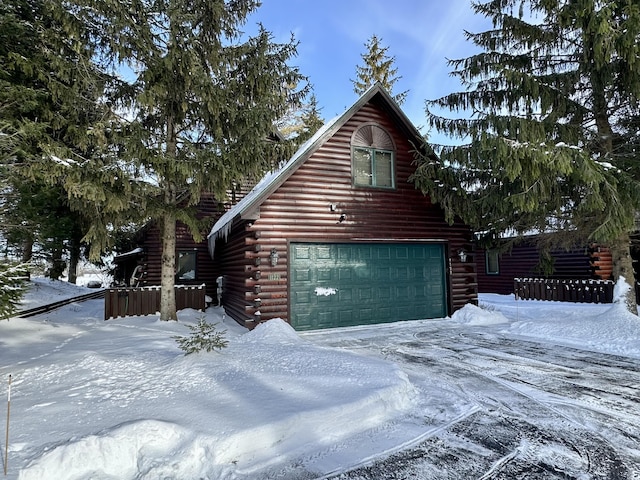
{"x": 534, "y": 409}
{"x": 511, "y": 390}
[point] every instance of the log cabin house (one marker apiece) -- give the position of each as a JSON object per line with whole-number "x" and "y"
{"x": 339, "y": 235}
{"x": 141, "y": 266}
{"x": 497, "y": 268}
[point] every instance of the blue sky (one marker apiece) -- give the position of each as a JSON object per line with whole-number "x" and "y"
{"x": 421, "y": 34}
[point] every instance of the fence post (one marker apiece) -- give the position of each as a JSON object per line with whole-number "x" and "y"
{"x": 6, "y": 441}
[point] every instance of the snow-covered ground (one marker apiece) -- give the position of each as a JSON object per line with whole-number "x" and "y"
{"x": 119, "y": 400}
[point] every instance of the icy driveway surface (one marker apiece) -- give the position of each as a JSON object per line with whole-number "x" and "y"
{"x": 533, "y": 410}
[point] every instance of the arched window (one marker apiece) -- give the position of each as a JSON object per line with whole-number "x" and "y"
{"x": 373, "y": 156}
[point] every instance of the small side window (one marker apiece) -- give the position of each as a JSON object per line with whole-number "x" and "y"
{"x": 493, "y": 262}
{"x": 186, "y": 268}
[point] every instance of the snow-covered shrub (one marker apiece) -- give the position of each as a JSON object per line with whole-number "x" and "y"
{"x": 13, "y": 283}
{"x": 204, "y": 336}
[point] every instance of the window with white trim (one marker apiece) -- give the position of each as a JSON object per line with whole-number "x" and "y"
{"x": 373, "y": 157}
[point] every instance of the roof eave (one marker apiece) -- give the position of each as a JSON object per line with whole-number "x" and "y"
{"x": 314, "y": 143}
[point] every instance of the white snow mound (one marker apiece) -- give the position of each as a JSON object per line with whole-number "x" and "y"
{"x": 472, "y": 315}
{"x": 274, "y": 331}
{"x": 126, "y": 451}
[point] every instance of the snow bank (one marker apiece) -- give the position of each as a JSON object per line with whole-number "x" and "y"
{"x": 121, "y": 401}
{"x": 609, "y": 329}
{"x": 125, "y": 451}
{"x": 472, "y": 315}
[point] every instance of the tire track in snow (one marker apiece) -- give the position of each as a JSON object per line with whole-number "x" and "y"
{"x": 553, "y": 441}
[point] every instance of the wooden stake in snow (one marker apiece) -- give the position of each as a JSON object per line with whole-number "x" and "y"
{"x": 6, "y": 442}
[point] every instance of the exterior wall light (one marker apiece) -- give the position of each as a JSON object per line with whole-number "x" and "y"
{"x": 463, "y": 255}
{"x": 273, "y": 257}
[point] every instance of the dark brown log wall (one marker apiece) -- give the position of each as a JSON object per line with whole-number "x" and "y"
{"x": 300, "y": 210}
{"x": 522, "y": 261}
{"x": 152, "y": 245}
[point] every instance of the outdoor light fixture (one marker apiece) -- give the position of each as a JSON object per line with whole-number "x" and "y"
{"x": 273, "y": 257}
{"x": 463, "y": 255}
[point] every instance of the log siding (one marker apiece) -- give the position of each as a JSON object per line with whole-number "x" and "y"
{"x": 592, "y": 263}
{"x": 300, "y": 210}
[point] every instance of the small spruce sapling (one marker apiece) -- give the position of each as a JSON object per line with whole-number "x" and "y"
{"x": 203, "y": 337}
{"x": 13, "y": 284}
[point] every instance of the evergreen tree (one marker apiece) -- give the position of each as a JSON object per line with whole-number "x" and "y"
{"x": 311, "y": 121}
{"x": 551, "y": 139}
{"x": 13, "y": 280}
{"x": 203, "y": 101}
{"x": 378, "y": 67}
{"x": 48, "y": 110}
{"x": 36, "y": 216}
{"x": 301, "y": 122}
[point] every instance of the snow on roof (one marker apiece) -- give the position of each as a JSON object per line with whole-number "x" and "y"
{"x": 222, "y": 227}
{"x": 131, "y": 253}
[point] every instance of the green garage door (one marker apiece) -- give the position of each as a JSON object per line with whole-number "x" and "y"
{"x": 341, "y": 284}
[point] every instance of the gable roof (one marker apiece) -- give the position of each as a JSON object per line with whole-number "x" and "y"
{"x": 272, "y": 180}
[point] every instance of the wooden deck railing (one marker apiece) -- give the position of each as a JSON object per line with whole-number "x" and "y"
{"x": 579, "y": 291}
{"x": 128, "y": 301}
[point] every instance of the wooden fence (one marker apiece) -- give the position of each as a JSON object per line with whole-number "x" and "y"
{"x": 579, "y": 291}
{"x": 128, "y": 301}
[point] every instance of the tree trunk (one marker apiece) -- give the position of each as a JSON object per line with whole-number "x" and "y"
{"x": 620, "y": 248}
{"x": 167, "y": 275}
{"x": 74, "y": 259}
{"x": 27, "y": 250}
{"x": 57, "y": 266}
{"x": 623, "y": 268}
{"x": 27, "y": 253}
{"x": 168, "y": 272}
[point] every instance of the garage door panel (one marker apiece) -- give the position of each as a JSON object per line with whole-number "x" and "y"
{"x": 345, "y": 294}
{"x": 365, "y": 294}
{"x": 366, "y": 313}
{"x": 344, "y": 253}
{"x": 362, "y": 272}
{"x": 345, "y": 274}
{"x": 402, "y": 292}
{"x": 346, "y": 317}
{"x": 304, "y": 321}
{"x": 324, "y": 274}
{"x": 384, "y": 293}
{"x": 301, "y": 297}
{"x": 374, "y": 283}
{"x": 302, "y": 274}
{"x": 326, "y": 319}
{"x": 382, "y": 273}
{"x": 301, "y": 252}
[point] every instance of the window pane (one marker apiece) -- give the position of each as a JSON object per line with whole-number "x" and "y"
{"x": 363, "y": 174}
{"x": 493, "y": 264}
{"x": 186, "y": 266}
{"x": 384, "y": 169}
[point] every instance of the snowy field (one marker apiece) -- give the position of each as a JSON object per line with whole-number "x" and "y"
{"x": 119, "y": 400}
